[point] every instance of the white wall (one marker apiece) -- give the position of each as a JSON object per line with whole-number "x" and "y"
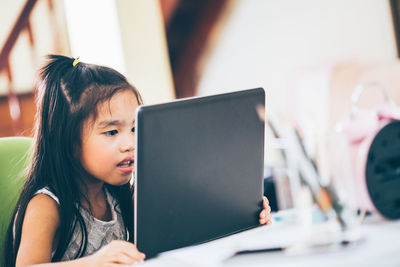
{"x": 264, "y": 43}
{"x": 94, "y": 32}
{"x": 145, "y": 49}
{"x": 127, "y": 35}
{"x": 289, "y": 47}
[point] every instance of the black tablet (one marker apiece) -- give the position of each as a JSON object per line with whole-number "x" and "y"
{"x": 199, "y": 169}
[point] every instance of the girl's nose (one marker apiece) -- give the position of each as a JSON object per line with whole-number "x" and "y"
{"x": 128, "y": 144}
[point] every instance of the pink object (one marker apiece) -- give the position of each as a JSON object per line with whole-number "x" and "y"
{"x": 360, "y": 130}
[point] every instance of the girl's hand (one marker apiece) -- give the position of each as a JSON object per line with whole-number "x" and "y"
{"x": 265, "y": 214}
{"x": 116, "y": 253}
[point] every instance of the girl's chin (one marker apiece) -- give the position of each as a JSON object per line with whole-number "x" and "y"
{"x": 126, "y": 180}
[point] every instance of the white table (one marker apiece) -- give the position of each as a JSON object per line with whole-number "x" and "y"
{"x": 379, "y": 246}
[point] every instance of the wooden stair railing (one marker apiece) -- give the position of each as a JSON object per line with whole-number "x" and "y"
{"x": 22, "y": 25}
{"x": 189, "y": 26}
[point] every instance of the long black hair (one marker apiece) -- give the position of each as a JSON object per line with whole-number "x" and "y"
{"x": 67, "y": 96}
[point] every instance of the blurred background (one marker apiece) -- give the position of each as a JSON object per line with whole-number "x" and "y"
{"x": 309, "y": 55}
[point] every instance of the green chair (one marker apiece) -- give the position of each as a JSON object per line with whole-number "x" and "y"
{"x": 14, "y": 156}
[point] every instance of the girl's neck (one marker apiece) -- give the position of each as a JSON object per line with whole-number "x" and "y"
{"x": 93, "y": 190}
{"x": 95, "y": 200}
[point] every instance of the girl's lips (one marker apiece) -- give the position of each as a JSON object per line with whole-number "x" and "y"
{"x": 126, "y": 169}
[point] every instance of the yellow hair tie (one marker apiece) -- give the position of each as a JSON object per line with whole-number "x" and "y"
{"x": 76, "y": 61}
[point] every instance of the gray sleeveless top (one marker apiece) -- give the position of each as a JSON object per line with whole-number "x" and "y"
{"x": 99, "y": 233}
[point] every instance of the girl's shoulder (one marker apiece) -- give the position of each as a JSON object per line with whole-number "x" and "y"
{"x": 45, "y": 204}
{"x": 46, "y": 191}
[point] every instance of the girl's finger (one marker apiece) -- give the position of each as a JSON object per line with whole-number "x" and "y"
{"x": 265, "y": 221}
{"x": 265, "y": 202}
{"x": 268, "y": 209}
{"x": 263, "y": 214}
{"x": 123, "y": 258}
{"x": 131, "y": 251}
{"x": 135, "y": 255}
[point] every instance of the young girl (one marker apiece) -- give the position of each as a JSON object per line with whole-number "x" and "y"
{"x": 76, "y": 207}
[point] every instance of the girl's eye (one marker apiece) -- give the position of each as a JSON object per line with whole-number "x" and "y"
{"x": 111, "y": 133}
{"x": 133, "y": 130}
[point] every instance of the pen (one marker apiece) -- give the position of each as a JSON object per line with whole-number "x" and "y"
{"x": 297, "y": 249}
{"x": 273, "y": 249}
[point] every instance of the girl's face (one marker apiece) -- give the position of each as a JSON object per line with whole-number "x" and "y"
{"x": 108, "y": 143}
